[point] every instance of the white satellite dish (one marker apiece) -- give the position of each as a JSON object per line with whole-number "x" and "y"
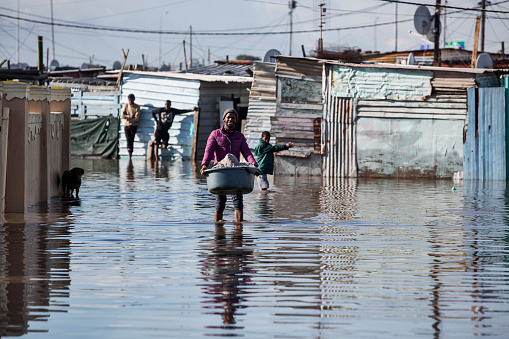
{"x": 117, "y": 65}
{"x": 411, "y": 59}
{"x": 484, "y": 60}
{"x": 422, "y": 20}
{"x": 270, "y": 54}
{"x": 53, "y": 65}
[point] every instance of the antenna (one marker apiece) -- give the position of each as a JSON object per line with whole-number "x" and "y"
{"x": 422, "y": 20}
{"x": 291, "y": 4}
{"x": 484, "y": 60}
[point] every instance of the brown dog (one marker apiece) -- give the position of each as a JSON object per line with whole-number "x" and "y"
{"x": 71, "y": 180}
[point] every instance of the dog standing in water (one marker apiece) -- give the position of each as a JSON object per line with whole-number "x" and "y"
{"x": 71, "y": 180}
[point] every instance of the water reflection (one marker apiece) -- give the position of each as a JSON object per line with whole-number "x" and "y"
{"x": 364, "y": 258}
{"x": 34, "y": 269}
{"x": 226, "y": 270}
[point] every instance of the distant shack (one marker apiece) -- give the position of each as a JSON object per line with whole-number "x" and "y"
{"x": 188, "y": 136}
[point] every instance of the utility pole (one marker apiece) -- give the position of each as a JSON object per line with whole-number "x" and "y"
{"x": 161, "y": 38}
{"x": 292, "y": 4}
{"x": 483, "y": 19}
{"x": 396, "y": 29}
{"x": 191, "y": 47}
{"x": 476, "y": 39}
{"x": 320, "y": 40}
{"x": 445, "y": 23}
{"x": 436, "y": 30}
{"x": 52, "y": 31}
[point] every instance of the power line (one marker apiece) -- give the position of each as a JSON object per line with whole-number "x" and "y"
{"x": 149, "y": 31}
{"x": 447, "y": 6}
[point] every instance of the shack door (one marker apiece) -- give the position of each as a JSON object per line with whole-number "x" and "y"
{"x": 339, "y": 138}
{"x": 484, "y": 148}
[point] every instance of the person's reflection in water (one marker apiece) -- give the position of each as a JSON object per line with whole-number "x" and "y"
{"x": 227, "y": 271}
{"x": 264, "y": 206}
{"x": 130, "y": 171}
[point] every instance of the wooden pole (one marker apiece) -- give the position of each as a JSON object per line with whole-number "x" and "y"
{"x": 196, "y": 129}
{"x": 119, "y": 80}
{"x": 436, "y": 57}
{"x": 185, "y": 56}
{"x": 476, "y": 41}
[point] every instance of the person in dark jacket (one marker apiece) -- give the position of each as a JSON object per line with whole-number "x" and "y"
{"x": 264, "y": 152}
{"x": 163, "y": 117}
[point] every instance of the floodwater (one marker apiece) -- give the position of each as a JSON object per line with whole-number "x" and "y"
{"x": 138, "y": 256}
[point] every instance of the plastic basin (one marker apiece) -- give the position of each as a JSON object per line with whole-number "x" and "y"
{"x": 229, "y": 180}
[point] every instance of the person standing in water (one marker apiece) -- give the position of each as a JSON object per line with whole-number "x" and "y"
{"x": 264, "y": 152}
{"x": 131, "y": 115}
{"x": 221, "y": 142}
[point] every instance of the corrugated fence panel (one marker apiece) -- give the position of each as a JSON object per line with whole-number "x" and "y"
{"x": 484, "y": 148}
{"x": 338, "y": 136}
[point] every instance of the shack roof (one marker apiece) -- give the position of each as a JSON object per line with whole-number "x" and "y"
{"x": 228, "y": 69}
{"x": 300, "y": 65}
{"x": 196, "y": 77}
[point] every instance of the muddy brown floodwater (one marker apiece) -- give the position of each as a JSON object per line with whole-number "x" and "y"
{"x": 138, "y": 256}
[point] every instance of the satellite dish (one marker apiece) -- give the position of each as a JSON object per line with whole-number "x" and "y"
{"x": 84, "y": 66}
{"x": 484, "y": 60}
{"x": 431, "y": 34}
{"x": 411, "y": 59}
{"x": 271, "y": 53}
{"x": 117, "y": 65}
{"x": 422, "y": 20}
{"x": 53, "y": 65}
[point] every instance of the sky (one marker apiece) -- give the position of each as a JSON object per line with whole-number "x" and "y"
{"x": 154, "y": 31}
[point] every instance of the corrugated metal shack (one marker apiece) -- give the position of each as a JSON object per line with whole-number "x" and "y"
{"x": 396, "y": 121}
{"x": 212, "y": 93}
{"x": 295, "y": 92}
{"x": 262, "y": 102}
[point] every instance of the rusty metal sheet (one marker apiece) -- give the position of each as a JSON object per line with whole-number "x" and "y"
{"x": 377, "y": 83}
{"x": 298, "y": 66}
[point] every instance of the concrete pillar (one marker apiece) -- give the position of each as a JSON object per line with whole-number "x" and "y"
{"x": 15, "y": 97}
{"x": 38, "y": 148}
{"x": 60, "y": 134}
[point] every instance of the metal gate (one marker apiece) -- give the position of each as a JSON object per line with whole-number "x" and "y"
{"x": 484, "y": 148}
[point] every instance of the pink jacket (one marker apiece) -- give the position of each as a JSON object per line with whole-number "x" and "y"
{"x": 219, "y": 144}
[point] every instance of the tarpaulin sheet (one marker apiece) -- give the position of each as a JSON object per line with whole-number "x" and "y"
{"x": 95, "y": 137}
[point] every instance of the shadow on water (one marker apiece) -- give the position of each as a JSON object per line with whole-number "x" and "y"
{"x": 138, "y": 255}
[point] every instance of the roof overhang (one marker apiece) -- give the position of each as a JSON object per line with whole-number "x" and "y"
{"x": 195, "y": 77}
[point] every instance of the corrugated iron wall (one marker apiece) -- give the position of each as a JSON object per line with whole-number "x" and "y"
{"x": 151, "y": 92}
{"x": 262, "y": 102}
{"x": 505, "y": 84}
{"x": 485, "y": 138}
{"x": 339, "y": 147}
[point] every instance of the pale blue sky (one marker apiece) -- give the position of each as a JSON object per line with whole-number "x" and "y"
{"x": 74, "y": 46}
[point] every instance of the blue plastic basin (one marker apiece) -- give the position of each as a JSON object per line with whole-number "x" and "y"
{"x": 229, "y": 180}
